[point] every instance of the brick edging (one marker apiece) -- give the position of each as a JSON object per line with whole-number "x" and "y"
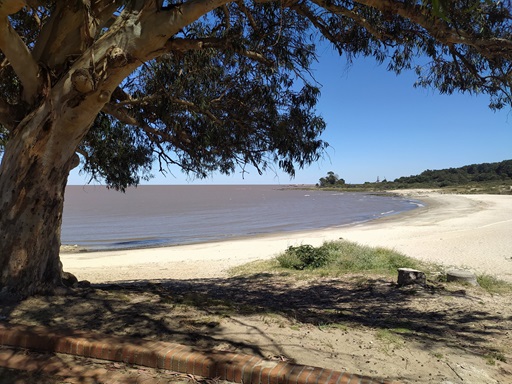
{"x": 234, "y": 367}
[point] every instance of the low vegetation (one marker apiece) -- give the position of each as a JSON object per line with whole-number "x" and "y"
{"x": 343, "y": 257}
{"x": 336, "y": 258}
{"x": 493, "y": 285}
{"x": 488, "y": 178}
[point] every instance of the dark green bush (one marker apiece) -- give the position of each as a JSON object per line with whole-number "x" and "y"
{"x": 304, "y": 257}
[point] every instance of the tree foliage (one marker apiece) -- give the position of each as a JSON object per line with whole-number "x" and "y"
{"x": 233, "y": 87}
{"x": 331, "y": 180}
{"x": 501, "y": 171}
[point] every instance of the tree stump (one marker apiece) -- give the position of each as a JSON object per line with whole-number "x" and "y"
{"x": 461, "y": 276}
{"x": 408, "y": 276}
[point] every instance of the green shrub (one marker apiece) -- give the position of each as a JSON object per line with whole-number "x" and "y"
{"x": 344, "y": 256}
{"x": 304, "y": 257}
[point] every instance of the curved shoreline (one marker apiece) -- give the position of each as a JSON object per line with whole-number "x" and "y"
{"x": 473, "y": 231}
{"x": 67, "y": 248}
{"x": 254, "y": 223}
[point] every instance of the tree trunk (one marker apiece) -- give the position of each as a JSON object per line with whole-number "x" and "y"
{"x": 41, "y": 148}
{"x": 32, "y": 183}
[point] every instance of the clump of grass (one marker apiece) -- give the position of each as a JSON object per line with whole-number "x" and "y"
{"x": 493, "y": 285}
{"x": 342, "y": 256}
{"x": 305, "y": 257}
{"x": 494, "y": 356}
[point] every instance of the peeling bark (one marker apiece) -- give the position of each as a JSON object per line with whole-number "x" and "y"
{"x": 32, "y": 198}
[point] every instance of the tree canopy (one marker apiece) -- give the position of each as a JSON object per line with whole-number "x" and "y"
{"x": 497, "y": 176}
{"x": 331, "y": 180}
{"x": 233, "y": 87}
{"x": 207, "y": 85}
{"x": 472, "y": 173}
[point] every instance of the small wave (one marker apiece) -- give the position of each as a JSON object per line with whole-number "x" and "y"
{"x": 137, "y": 243}
{"x": 387, "y": 213}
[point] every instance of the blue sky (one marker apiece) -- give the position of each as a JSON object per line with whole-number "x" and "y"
{"x": 378, "y": 125}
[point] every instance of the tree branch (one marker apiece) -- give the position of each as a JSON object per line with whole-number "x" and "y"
{"x": 247, "y": 14}
{"x": 21, "y": 60}
{"x": 121, "y": 114}
{"x": 167, "y": 22}
{"x": 303, "y": 10}
{"x": 490, "y": 48}
{"x": 183, "y": 45}
{"x": 156, "y": 136}
{"x": 11, "y": 7}
{"x": 227, "y": 21}
{"x": 125, "y": 117}
{"x": 358, "y": 19}
{"x": 6, "y": 115}
{"x": 71, "y": 30}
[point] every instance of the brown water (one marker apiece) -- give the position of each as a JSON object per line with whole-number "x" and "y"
{"x": 98, "y": 218}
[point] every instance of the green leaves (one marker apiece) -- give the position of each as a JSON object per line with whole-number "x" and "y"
{"x": 439, "y": 8}
{"x": 116, "y": 153}
{"x": 235, "y": 87}
{"x": 219, "y": 109}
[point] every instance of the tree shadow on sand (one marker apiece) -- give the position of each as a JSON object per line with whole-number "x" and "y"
{"x": 191, "y": 311}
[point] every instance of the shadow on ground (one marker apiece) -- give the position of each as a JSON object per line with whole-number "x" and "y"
{"x": 191, "y": 311}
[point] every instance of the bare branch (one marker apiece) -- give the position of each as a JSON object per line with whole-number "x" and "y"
{"x": 140, "y": 101}
{"x": 167, "y": 22}
{"x": 21, "y": 60}
{"x": 103, "y": 11}
{"x": 124, "y": 116}
{"x": 226, "y": 23}
{"x": 303, "y": 10}
{"x": 226, "y": 16}
{"x": 121, "y": 114}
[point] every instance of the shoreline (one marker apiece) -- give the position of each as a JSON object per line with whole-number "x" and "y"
{"x": 77, "y": 248}
{"x": 141, "y": 239}
{"x": 471, "y": 231}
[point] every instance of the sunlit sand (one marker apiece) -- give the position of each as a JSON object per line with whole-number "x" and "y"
{"x": 471, "y": 231}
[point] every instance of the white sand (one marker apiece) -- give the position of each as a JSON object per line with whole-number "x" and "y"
{"x": 473, "y": 231}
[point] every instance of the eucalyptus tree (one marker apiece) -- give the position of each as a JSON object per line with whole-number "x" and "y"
{"x": 208, "y": 85}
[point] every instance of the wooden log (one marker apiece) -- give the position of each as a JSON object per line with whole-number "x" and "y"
{"x": 407, "y": 276}
{"x": 461, "y": 276}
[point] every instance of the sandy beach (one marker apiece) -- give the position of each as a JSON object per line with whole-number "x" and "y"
{"x": 441, "y": 333}
{"x": 470, "y": 231}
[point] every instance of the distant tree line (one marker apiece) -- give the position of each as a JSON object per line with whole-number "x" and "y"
{"x": 484, "y": 172}
{"x": 474, "y": 173}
